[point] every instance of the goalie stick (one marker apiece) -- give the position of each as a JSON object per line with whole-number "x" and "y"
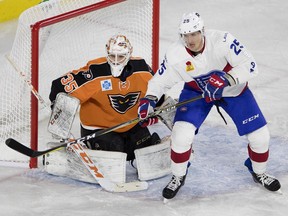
{"x": 21, "y": 148}
{"x": 28, "y": 82}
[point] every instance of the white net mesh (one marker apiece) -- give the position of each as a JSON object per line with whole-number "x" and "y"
{"x": 64, "y": 46}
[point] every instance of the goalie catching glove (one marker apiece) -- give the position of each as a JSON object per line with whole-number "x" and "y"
{"x": 146, "y": 106}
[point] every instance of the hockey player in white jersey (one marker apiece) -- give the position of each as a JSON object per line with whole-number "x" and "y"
{"x": 218, "y": 66}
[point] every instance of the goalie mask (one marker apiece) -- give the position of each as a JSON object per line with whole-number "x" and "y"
{"x": 119, "y": 51}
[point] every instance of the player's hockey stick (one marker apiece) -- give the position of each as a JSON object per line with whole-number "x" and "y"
{"x": 17, "y": 146}
{"x": 28, "y": 82}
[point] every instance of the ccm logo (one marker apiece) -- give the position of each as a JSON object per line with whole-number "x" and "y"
{"x": 250, "y": 119}
{"x": 142, "y": 140}
{"x": 56, "y": 116}
{"x": 87, "y": 161}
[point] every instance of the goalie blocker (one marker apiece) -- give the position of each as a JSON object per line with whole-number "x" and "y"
{"x": 152, "y": 162}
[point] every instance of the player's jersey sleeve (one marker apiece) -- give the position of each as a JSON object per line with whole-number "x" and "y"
{"x": 79, "y": 83}
{"x": 166, "y": 76}
{"x": 243, "y": 64}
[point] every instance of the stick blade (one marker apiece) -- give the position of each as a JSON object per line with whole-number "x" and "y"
{"x": 17, "y": 146}
{"x": 123, "y": 187}
{"x": 131, "y": 186}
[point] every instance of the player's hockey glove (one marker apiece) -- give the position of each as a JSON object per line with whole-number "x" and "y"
{"x": 215, "y": 85}
{"x": 146, "y": 106}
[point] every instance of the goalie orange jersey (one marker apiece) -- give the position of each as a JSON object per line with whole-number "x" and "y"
{"x": 105, "y": 100}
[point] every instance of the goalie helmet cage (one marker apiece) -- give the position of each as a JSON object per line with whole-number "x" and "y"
{"x": 54, "y": 38}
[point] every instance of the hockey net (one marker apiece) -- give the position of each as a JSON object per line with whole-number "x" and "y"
{"x": 54, "y": 38}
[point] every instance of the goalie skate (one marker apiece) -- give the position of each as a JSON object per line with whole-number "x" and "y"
{"x": 267, "y": 181}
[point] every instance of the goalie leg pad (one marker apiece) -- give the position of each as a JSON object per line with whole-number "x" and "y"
{"x": 153, "y": 161}
{"x": 67, "y": 164}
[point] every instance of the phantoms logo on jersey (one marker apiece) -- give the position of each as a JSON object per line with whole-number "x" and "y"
{"x": 106, "y": 85}
{"x": 122, "y": 103}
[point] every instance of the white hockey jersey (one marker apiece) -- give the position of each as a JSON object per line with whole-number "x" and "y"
{"x": 222, "y": 51}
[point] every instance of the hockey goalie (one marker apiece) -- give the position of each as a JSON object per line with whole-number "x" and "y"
{"x": 108, "y": 90}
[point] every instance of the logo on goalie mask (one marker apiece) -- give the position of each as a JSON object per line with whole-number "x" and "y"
{"x": 122, "y": 103}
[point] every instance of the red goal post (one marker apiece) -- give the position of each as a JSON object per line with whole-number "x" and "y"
{"x": 71, "y": 33}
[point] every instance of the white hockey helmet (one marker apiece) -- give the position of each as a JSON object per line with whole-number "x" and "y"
{"x": 119, "y": 51}
{"x": 191, "y": 22}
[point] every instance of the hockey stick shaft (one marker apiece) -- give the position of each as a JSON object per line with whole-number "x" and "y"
{"x": 17, "y": 146}
{"x": 28, "y": 82}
